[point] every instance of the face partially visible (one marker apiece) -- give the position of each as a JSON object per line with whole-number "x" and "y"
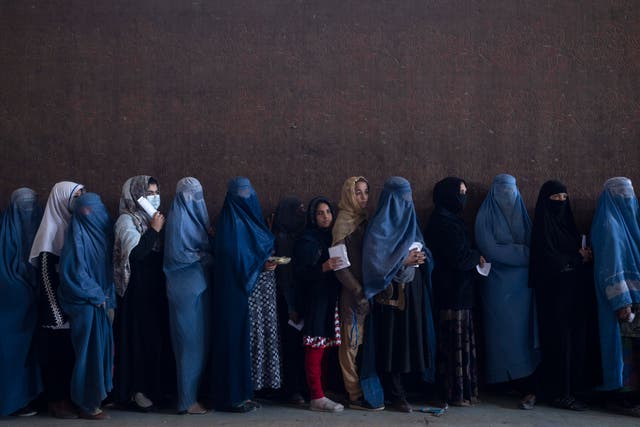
{"x": 362, "y": 193}
{"x": 324, "y": 217}
{"x": 560, "y": 197}
{"x": 463, "y": 188}
{"x": 152, "y": 190}
{"x": 79, "y": 192}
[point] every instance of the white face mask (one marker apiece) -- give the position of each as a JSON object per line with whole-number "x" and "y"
{"x": 154, "y": 200}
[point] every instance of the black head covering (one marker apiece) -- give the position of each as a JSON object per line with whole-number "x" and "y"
{"x": 446, "y": 194}
{"x": 315, "y": 241}
{"x": 289, "y": 216}
{"x": 554, "y": 235}
{"x": 553, "y": 225}
{"x": 313, "y": 209}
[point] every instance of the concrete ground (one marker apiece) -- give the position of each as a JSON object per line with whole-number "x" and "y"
{"x": 494, "y": 411}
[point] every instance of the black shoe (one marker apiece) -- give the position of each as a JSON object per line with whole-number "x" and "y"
{"x": 569, "y": 402}
{"x": 363, "y": 405}
{"x": 401, "y": 405}
{"x": 246, "y": 406}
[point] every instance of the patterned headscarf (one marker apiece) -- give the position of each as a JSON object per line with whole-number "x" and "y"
{"x": 351, "y": 215}
{"x": 131, "y": 225}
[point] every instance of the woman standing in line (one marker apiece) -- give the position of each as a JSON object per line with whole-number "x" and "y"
{"x": 396, "y": 274}
{"x": 349, "y": 230}
{"x": 87, "y": 294}
{"x": 242, "y": 246}
{"x": 20, "y": 381}
{"x": 318, "y": 289}
{"x": 503, "y": 235}
{"x": 453, "y": 281}
{"x": 144, "y": 362}
{"x": 54, "y": 342}
{"x": 616, "y": 248}
{"x": 187, "y": 263}
{"x": 561, "y": 274}
{"x": 288, "y": 224}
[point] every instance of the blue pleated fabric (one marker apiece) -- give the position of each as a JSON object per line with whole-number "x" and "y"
{"x": 615, "y": 234}
{"x": 242, "y": 245}
{"x": 503, "y": 235}
{"x": 86, "y": 292}
{"x": 187, "y": 259}
{"x": 391, "y": 231}
{"x": 19, "y": 373}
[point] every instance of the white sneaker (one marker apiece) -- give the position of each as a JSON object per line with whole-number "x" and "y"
{"x": 325, "y": 404}
{"x": 142, "y": 400}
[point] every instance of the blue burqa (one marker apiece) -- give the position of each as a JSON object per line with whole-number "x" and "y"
{"x": 19, "y": 373}
{"x": 392, "y": 230}
{"x": 615, "y": 234}
{"x": 86, "y": 292}
{"x": 242, "y": 245}
{"x": 503, "y": 235}
{"x": 187, "y": 256}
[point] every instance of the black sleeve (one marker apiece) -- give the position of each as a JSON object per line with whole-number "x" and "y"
{"x": 457, "y": 251}
{"x": 145, "y": 245}
{"x": 47, "y": 273}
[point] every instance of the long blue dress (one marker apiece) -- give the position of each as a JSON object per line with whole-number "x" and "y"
{"x": 503, "y": 234}
{"x": 615, "y": 234}
{"x": 86, "y": 293}
{"x": 242, "y": 245}
{"x": 19, "y": 373}
{"x": 186, "y": 263}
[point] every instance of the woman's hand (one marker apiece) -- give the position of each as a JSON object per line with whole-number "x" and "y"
{"x": 331, "y": 264}
{"x": 157, "y": 222}
{"x": 270, "y": 266}
{"x": 624, "y": 313}
{"x": 587, "y": 254}
{"x": 415, "y": 257}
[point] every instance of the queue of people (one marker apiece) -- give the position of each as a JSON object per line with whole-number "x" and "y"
{"x": 182, "y": 312}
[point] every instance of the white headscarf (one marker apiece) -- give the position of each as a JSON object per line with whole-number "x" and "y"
{"x": 57, "y": 213}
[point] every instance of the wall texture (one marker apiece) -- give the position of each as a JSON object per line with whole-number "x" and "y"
{"x": 298, "y": 95}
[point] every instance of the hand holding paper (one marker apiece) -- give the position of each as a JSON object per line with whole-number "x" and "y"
{"x": 484, "y": 270}
{"x": 144, "y": 204}
{"x": 340, "y": 251}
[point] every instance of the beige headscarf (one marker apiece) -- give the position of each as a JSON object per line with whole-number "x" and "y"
{"x": 351, "y": 215}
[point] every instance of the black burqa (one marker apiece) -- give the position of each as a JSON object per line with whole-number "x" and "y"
{"x": 565, "y": 298}
{"x": 288, "y": 223}
{"x": 448, "y": 238}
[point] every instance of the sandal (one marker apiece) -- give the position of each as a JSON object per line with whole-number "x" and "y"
{"x": 324, "y": 404}
{"x": 196, "y": 409}
{"x": 528, "y": 402}
{"x": 569, "y": 402}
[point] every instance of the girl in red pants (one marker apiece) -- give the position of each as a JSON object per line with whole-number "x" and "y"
{"x": 318, "y": 295}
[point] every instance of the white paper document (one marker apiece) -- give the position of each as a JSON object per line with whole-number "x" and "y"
{"x": 418, "y": 246}
{"x": 144, "y": 204}
{"x": 340, "y": 251}
{"x": 484, "y": 270}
